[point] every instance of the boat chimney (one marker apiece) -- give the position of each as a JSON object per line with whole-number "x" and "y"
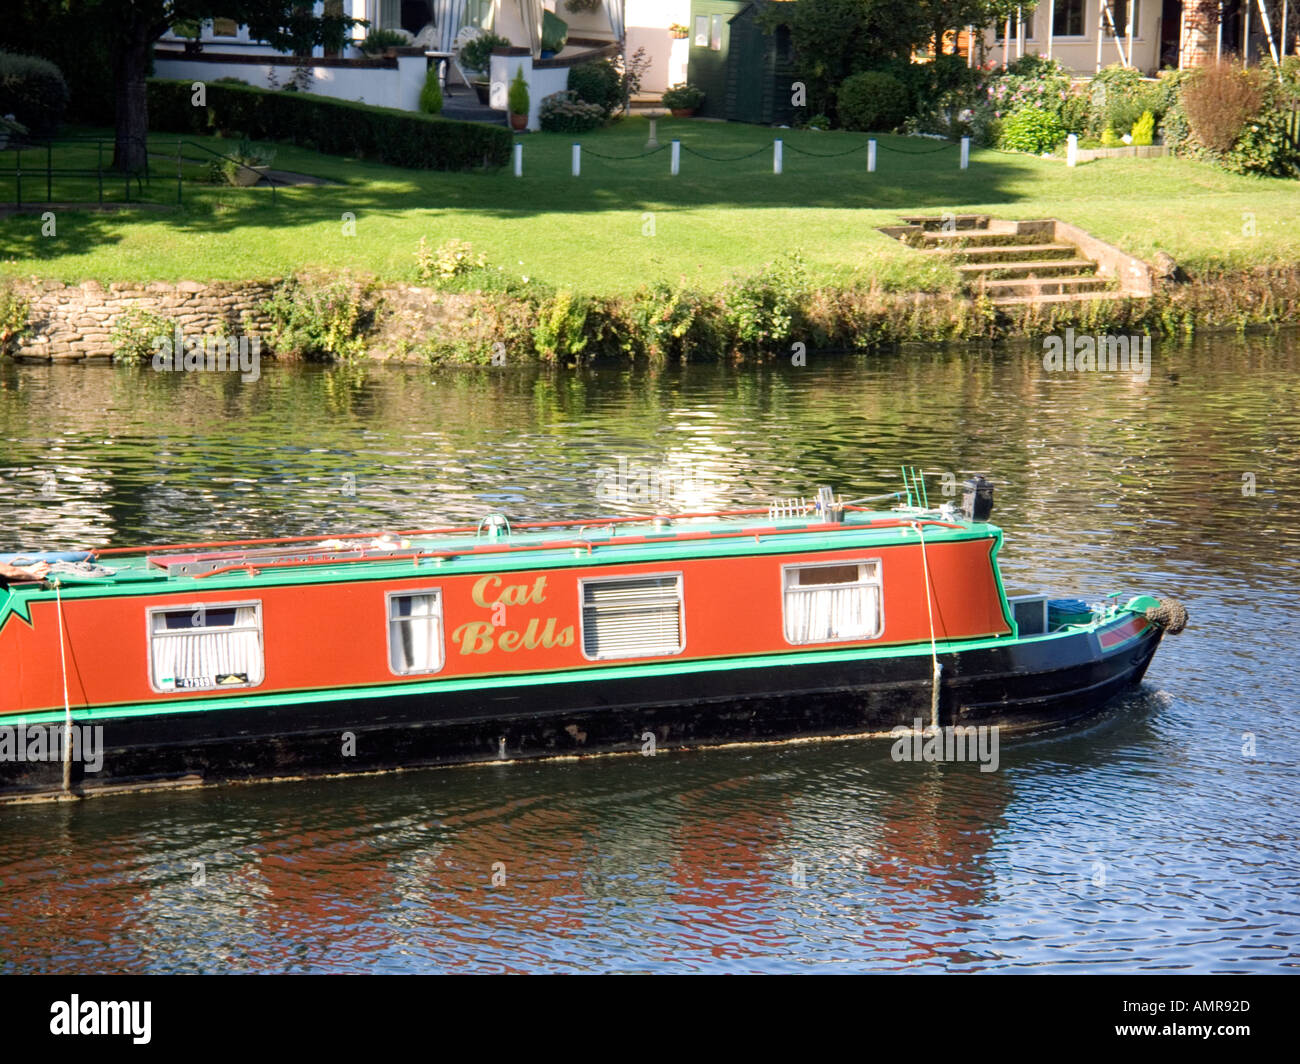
{"x": 977, "y": 499}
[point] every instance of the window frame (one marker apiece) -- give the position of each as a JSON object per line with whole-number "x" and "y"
{"x": 1120, "y": 33}
{"x": 1058, "y": 34}
{"x": 681, "y": 613}
{"x": 879, "y": 584}
{"x": 388, "y": 629}
{"x": 150, "y": 636}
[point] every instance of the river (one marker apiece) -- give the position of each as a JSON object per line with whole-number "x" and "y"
{"x": 1160, "y": 836}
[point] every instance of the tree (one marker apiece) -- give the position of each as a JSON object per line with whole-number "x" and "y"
{"x": 133, "y": 27}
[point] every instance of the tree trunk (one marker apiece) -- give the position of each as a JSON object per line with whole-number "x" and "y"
{"x": 130, "y": 65}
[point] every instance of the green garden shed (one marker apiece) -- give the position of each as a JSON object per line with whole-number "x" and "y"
{"x": 746, "y": 73}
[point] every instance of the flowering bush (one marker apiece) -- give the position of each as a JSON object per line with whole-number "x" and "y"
{"x": 563, "y": 112}
{"x": 452, "y": 259}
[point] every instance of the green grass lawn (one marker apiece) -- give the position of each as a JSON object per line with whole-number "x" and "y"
{"x": 591, "y": 233}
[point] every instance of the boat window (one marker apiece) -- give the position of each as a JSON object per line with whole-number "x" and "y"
{"x": 832, "y": 602}
{"x": 632, "y": 618}
{"x": 415, "y": 632}
{"x": 206, "y": 647}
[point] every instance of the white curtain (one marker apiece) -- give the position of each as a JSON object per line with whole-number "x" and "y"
{"x": 447, "y": 18}
{"x": 617, "y": 12}
{"x": 415, "y": 633}
{"x": 531, "y": 13}
{"x": 823, "y": 614}
{"x": 195, "y": 658}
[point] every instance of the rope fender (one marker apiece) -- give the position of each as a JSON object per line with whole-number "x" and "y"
{"x": 1170, "y": 614}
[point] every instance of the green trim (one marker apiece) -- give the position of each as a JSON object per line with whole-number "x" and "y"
{"x": 497, "y": 682}
{"x": 15, "y": 605}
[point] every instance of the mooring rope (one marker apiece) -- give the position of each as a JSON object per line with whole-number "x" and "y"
{"x": 67, "y": 706}
{"x": 934, "y": 653}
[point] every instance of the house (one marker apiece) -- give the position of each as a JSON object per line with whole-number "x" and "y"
{"x": 226, "y": 49}
{"x": 1150, "y": 35}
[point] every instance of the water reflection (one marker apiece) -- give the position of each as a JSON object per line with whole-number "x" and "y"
{"x": 1146, "y": 839}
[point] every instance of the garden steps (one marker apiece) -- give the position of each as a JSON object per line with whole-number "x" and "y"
{"x": 973, "y": 271}
{"x": 1018, "y": 262}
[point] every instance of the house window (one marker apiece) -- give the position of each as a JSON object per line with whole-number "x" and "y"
{"x": 206, "y": 647}
{"x": 715, "y": 37}
{"x": 225, "y": 27}
{"x": 1068, "y": 18}
{"x": 415, "y": 632}
{"x": 701, "y": 31}
{"x": 1000, "y": 28}
{"x": 832, "y": 602}
{"x": 1119, "y": 12}
{"x": 632, "y": 618}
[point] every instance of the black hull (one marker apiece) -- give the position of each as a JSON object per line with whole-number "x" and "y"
{"x": 1018, "y": 686}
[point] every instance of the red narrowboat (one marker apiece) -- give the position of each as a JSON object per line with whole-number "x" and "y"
{"x": 283, "y": 657}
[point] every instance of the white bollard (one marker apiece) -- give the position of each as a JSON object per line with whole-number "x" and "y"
{"x": 1072, "y": 150}
{"x": 519, "y": 160}
{"x": 778, "y": 150}
{"x": 871, "y": 156}
{"x": 577, "y": 160}
{"x": 965, "y": 152}
{"x": 676, "y": 158}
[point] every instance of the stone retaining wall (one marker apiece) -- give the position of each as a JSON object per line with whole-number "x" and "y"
{"x": 70, "y": 323}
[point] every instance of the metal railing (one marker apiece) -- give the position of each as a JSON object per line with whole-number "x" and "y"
{"x": 34, "y": 159}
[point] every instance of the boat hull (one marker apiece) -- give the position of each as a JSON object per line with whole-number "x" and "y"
{"x": 1015, "y": 684}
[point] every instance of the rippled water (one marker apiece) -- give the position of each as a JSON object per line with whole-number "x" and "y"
{"x": 1146, "y": 840}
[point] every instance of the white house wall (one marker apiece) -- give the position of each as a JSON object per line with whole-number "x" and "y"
{"x": 397, "y": 87}
{"x": 647, "y": 27}
{"x": 1079, "y": 54}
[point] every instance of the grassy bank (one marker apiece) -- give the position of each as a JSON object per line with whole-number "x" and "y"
{"x": 625, "y": 223}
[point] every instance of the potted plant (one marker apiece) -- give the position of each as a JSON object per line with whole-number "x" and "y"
{"x": 678, "y": 32}
{"x": 476, "y": 59}
{"x": 555, "y": 34}
{"x": 381, "y": 42}
{"x": 192, "y": 30}
{"x": 518, "y": 102}
{"x": 683, "y": 100}
{"x": 247, "y": 164}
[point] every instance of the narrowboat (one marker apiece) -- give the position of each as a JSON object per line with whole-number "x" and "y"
{"x": 266, "y": 658}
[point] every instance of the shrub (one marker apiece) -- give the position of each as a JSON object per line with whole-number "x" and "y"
{"x": 675, "y": 321}
{"x": 134, "y": 334}
{"x": 1032, "y": 129}
{"x": 1264, "y": 147}
{"x": 1144, "y": 129}
{"x": 33, "y": 91}
{"x": 872, "y": 100}
{"x": 378, "y": 41}
{"x": 452, "y": 259}
{"x": 764, "y": 308}
{"x": 336, "y": 127}
{"x": 431, "y": 94}
{"x": 562, "y": 112}
{"x": 477, "y": 54}
{"x": 683, "y": 97}
{"x": 15, "y": 315}
{"x": 561, "y": 331}
{"x": 597, "y": 83}
{"x": 319, "y": 320}
{"x": 518, "y": 95}
{"x": 1219, "y": 102}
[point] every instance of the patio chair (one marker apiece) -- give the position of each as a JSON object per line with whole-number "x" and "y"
{"x": 466, "y": 34}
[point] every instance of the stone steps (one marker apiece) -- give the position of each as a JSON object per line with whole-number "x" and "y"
{"x": 1010, "y": 262}
{"x": 974, "y": 271}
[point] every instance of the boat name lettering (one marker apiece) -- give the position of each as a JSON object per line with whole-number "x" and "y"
{"x": 513, "y": 595}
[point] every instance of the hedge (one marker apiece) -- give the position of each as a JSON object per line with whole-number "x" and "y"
{"x": 335, "y": 127}
{"x": 33, "y": 91}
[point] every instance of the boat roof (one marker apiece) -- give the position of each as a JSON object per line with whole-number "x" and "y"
{"x": 495, "y": 544}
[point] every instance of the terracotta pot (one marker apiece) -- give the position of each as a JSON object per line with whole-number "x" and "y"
{"x": 683, "y": 112}
{"x": 518, "y": 122}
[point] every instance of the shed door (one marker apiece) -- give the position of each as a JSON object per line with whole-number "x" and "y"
{"x": 748, "y": 45}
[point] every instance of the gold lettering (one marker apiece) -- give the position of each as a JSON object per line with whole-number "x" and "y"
{"x": 473, "y": 637}
{"x": 480, "y": 589}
